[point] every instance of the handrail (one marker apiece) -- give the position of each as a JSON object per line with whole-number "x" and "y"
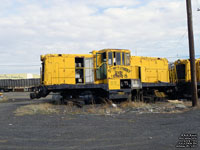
{"x": 101, "y": 64}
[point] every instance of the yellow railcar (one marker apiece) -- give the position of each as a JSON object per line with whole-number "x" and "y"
{"x": 181, "y": 76}
{"x": 108, "y": 73}
{"x": 182, "y": 71}
{"x": 198, "y": 69}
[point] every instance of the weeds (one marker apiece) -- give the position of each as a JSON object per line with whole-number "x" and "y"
{"x": 131, "y": 104}
{"x": 108, "y": 108}
{"x": 3, "y": 99}
{"x": 44, "y": 108}
{"x": 3, "y": 141}
{"x": 73, "y": 110}
{"x": 104, "y": 111}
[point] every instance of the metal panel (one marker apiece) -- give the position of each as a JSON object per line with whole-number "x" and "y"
{"x": 89, "y": 70}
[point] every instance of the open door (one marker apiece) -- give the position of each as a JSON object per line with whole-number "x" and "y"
{"x": 79, "y": 70}
{"x": 101, "y": 71}
{"x": 180, "y": 70}
{"x": 89, "y": 70}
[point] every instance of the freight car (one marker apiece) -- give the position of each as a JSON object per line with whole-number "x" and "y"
{"x": 18, "y": 84}
{"x": 107, "y": 73}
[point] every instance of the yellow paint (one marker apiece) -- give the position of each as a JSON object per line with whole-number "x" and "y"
{"x": 114, "y": 84}
{"x": 153, "y": 70}
{"x": 198, "y": 69}
{"x": 60, "y": 69}
{"x": 114, "y": 72}
{"x": 187, "y": 78}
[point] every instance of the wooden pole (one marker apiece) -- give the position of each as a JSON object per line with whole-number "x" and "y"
{"x": 192, "y": 55}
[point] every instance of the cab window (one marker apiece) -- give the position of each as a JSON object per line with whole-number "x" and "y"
{"x": 127, "y": 58}
{"x": 110, "y": 58}
{"x": 103, "y": 57}
{"x": 123, "y": 59}
{"x": 118, "y": 58}
{"x": 114, "y": 58}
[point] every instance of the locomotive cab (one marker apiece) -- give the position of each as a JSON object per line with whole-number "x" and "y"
{"x": 112, "y": 67}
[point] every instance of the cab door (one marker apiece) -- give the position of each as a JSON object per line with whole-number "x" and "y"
{"x": 101, "y": 68}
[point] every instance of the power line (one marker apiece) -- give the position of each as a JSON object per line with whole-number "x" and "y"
{"x": 181, "y": 56}
{"x": 180, "y": 39}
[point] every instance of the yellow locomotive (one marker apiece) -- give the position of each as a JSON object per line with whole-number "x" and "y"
{"x": 107, "y": 73}
{"x": 181, "y": 71}
{"x": 180, "y": 74}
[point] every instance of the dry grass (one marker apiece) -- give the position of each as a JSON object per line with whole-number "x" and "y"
{"x": 133, "y": 104}
{"x": 175, "y": 101}
{"x": 106, "y": 109}
{"x": 176, "y": 111}
{"x": 94, "y": 110}
{"x": 3, "y": 141}
{"x": 72, "y": 109}
{"x": 188, "y": 103}
{"x": 3, "y": 99}
{"x": 44, "y": 108}
{"x": 110, "y": 108}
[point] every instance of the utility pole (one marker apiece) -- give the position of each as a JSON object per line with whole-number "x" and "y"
{"x": 195, "y": 101}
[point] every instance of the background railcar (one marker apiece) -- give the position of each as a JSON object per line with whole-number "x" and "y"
{"x": 181, "y": 76}
{"x": 14, "y": 85}
{"x": 19, "y": 82}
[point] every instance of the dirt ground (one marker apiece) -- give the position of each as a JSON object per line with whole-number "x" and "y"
{"x": 44, "y": 125}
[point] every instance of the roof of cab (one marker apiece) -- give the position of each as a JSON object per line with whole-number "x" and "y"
{"x": 109, "y": 49}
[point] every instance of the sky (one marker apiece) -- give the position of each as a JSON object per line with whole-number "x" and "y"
{"x": 30, "y": 28}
